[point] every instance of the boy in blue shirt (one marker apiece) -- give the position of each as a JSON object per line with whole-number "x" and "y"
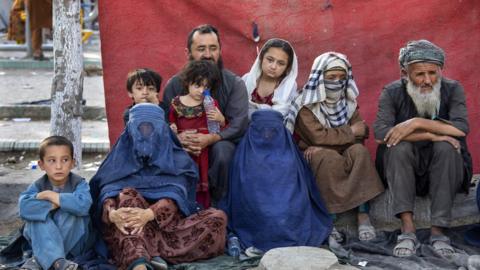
{"x": 55, "y": 209}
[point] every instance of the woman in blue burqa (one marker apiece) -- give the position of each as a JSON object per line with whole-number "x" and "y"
{"x": 144, "y": 198}
{"x": 272, "y": 199}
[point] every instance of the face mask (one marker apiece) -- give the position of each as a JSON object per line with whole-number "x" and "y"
{"x": 333, "y": 96}
{"x": 335, "y": 85}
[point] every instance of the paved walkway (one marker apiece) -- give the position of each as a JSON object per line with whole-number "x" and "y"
{"x": 25, "y": 81}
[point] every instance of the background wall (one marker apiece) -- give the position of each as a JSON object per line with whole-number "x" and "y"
{"x": 152, "y": 33}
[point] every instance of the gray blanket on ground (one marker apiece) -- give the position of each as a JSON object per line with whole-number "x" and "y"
{"x": 378, "y": 253}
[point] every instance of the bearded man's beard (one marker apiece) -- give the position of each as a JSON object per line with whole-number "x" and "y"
{"x": 427, "y": 104}
{"x": 219, "y": 61}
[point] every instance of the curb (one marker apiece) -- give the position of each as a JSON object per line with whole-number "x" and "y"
{"x": 88, "y": 64}
{"x": 42, "y": 112}
{"x": 7, "y": 145}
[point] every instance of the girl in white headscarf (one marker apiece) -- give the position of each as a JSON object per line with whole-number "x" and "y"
{"x": 271, "y": 81}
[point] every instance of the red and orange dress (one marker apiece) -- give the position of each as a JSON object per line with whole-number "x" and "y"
{"x": 194, "y": 118}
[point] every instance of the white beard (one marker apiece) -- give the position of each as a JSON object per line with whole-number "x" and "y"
{"x": 427, "y": 104}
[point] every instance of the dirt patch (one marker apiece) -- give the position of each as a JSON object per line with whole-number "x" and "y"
{"x": 7, "y": 227}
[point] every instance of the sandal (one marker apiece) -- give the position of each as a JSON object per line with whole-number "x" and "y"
{"x": 31, "y": 264}
{"x": 407, "y": 245}
{"x": 441, "y": 245}
{"x": 366, "y": 232}
{"x": 336, "y": 235}
{"x": 64, "y": 264}
{"x": 142, "y": 261}
{"x": 158, "y": 263}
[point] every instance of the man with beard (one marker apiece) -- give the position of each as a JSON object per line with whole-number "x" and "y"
{"x": 421, "y": 127}
{"x": 204, "y": 44}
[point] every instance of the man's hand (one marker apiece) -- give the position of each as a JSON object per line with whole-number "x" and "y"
{"x": 186, "y": 139}
{"x": 400, "y": 131}
{"x": 204, "y": 140}
{"x": 454, "y": 142}
{"x": 51, "y": 196}
{"x": 359, "y": 129}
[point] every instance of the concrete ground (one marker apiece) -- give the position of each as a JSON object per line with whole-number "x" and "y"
{"x": 25, "y": 81}
{"x": 25, "y": 89}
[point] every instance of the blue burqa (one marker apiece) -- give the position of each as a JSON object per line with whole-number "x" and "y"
{"x": 149, "y": 158}
{"x": 272, "y": 199}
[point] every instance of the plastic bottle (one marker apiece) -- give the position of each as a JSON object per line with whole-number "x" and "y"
{"x": 233, "y": 246}
{"x": 209, "y": 105}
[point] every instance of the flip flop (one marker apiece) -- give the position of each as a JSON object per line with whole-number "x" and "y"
{"x": 336, "y": 235}
{"x": 366, "y": 232}
{"x": 442, "y": 245}
{"x": 64, "y": 264}
{"x": 406, "y": 242}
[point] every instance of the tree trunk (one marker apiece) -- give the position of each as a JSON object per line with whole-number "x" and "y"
{"x": 67, "y": 86}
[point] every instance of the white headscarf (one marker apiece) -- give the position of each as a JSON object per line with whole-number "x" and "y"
{"x": 283, "y": 95}
{"x": 313, "y": 93}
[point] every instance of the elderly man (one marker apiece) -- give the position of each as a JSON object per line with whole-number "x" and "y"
{"x": 204, "y": 44}
{"x": 421, "y": 127}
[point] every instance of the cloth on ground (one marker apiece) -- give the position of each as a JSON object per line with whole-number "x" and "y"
{"x": 378, "y": 252}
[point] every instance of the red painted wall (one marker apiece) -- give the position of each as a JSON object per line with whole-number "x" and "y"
{"x": 152, "y": 33}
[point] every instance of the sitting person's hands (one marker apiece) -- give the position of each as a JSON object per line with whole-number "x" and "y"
{"x": 454, "y": 142}
{"x": 51, "y": 196}
{"x": 137, "y": 218}
{"x": 400, "y": 131}
{"x": 130, "y": 220}
{"x": 186, "y": 139}
{"x": 310, "y": 151}
{"x": 201, "y": 140}
{"x": 359, "y": 129}
{"x": 216, "y": 116}
{"x": 119, "y": 218}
